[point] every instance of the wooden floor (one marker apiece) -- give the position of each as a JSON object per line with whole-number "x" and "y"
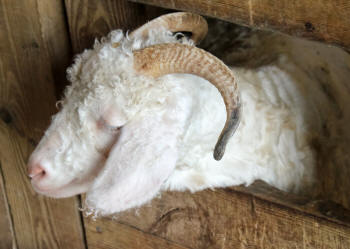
{"x": 37, "y": 41}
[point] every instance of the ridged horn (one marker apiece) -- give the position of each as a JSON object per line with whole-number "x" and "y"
{"x": 162, "y": 59}
{"x": 177, "y": 22}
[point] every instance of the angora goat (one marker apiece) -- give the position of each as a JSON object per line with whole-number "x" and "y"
{"x": 141, "y": 117}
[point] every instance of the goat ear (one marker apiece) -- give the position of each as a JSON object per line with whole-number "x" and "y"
{"x": 141, "y": 160}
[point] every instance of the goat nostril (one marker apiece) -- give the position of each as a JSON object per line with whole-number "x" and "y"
{"x": 36, "y": 170}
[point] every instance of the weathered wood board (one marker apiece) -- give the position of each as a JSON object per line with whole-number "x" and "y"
{"x": 34, "y": 48}
{"x": 90, "y": 20}
{"x": 106, "y": 234}
{"x": 7, "y": 238}
{"x": 231, "y": 218}
{"x": 322, "y": 20}
{"x": 226, "y": 218}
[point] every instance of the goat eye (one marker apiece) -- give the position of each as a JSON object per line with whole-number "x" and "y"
{"x": 113, "y": 129}
{"x": 103, "y": 125}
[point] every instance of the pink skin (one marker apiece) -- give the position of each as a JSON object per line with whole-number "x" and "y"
{"x": 42, "y": 182}
{"x": 44, "y": 179}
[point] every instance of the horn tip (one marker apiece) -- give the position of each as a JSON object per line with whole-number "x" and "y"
{"x": 219, "y": 152}
{"x": 232, "y": 124}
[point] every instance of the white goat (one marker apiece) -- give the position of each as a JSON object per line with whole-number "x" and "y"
{"x": 130, "y": 127}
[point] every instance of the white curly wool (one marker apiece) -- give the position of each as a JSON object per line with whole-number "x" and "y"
{"x": 170, "y": 125}
{"x": 286, "y": 107}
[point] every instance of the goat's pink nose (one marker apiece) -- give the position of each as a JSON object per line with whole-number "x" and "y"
{"x": 35, "y": 170}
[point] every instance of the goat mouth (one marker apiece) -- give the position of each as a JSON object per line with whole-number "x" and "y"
{"x": 69, "y": 189}
{"x": 46, "y": 189}
{"x": 43, "y": 189}
{"x": 37, "y": 177}
{"x": 60, "y": 192}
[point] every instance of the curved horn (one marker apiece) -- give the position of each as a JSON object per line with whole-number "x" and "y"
{"x": 165, "y": 59}
{"x": 177, "y": 22}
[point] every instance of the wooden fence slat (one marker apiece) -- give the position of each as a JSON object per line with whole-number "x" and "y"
{"x": 322, "y": 20}
{"x": 104, "y": 234}
{"x": 226, "y": 218}
{"x": 7, "y": 239}
{"x": 90, "y": 19}
{"x": 32, "y": 35}
{"x": 54, "y": 31}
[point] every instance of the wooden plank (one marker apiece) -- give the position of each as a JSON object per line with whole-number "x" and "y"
{"x": 104, "y": 234}
{"x": 7, "y": 238}
{"x": 31, "y": 35}
{"x": 226, "y": 218}
{"x": 90, "y": 19}
{"x": 321, "y": 20}
{"x": 322, "y": 208}
{"x": 54, "y": 31}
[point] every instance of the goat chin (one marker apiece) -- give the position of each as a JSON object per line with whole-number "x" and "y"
{"x": 298, "y": 99}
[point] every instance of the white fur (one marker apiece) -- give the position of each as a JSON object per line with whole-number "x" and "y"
{"x": 170, "y": 126}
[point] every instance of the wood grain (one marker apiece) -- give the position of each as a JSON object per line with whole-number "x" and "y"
{"x": 32, "y": 35}
{"x": 54, "y": 31}
{"x": 226, "y": 218}
{"x": 90, "y": 19}
{"x": 104, "y": 234}
{"x": 7, "y": 238}
{"x": 322, "y": 20}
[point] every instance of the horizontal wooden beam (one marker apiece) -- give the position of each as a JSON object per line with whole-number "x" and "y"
{"x": 224, "y": 218}
{"x": 103, "y": 233}
{"x": 321, "y": 20}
